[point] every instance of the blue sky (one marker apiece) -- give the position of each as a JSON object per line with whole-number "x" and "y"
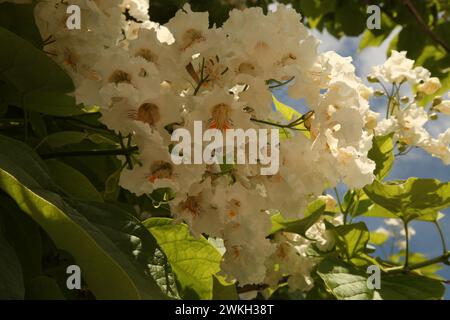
{"x": 416, "y": 163}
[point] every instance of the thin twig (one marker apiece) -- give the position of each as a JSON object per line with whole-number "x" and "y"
{"x": 413, "y": 10}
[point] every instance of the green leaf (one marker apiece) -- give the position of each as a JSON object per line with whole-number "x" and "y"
{"x": 38, "y": 124}
{"x": 24, "y": 236}
{"x": 51, "y": 103}
{"x": 299, "y": 226}
{"x": 72, "y": 181}
{"x": 351, "y": 17}
{"x": 11, "y": 280}
{"x": 222, "y": 290}
{"x": 162, "y": 273}
{"x": 112, "y": 188}
{"x": 376, "y": 37}
{"x": 193, "y": 261}
{"x": 3, "y": 108}
{"x": 352, "y": 239}
{"x": 28, "y": 68}
{"x": 382, "y": 153}
{"x": 316, "y": 8}
{"x": 290, "y": 114}
{"x": 20, "y": 20}
{"x": 409, "y": 287}
{"x": 44, "y": 288}
{"x": 343, "y": 280}
{"x": 411, "y": 198}
{"x": 378, "y": 238}
{"x": 63, "y": 138}
{"x": 377, "y": 211}
{"x": 86, "y": 231}
{"x": 408, "y": 40}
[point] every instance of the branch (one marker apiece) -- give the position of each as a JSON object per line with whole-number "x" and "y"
{"x": 410, "y": 6}
{"x": 258, "y": 287}
{"x": 440, "y": 259}
{"x": 84, "y": 153}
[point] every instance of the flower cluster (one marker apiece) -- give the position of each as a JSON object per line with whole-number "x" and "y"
{"x": 405, "y": 118}
{"x": 148, "y": 80}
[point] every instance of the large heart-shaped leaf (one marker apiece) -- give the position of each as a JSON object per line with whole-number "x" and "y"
{"x": 411, "y": 198}
{"x": 352, "y": 238}
{"x": 409, "y": 287}
{"x": 193, "y": 261}
{"x": 29, "y": 69}
{"x": 103, "y": 241}
{"x": 343, "y": 280}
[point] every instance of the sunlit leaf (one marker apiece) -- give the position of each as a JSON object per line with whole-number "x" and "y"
{"x": 193, "y": 261}
{"x": 411, "y": 198}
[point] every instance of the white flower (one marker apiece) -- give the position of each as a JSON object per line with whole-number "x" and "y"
{"x": 443, "y": 107}
{"x": 190, "y": 31}
{"x": 430, "y": 86}
{"x": 136, "y": 8}
{"x": 397, "y": 69}
{"x": 148, "y": 79}
{"x": 329, "y": 201}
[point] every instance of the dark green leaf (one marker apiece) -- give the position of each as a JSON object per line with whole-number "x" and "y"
{"x": 72, "y": 181}
{"x": 24, "y": 66}
{"x": 11, "y": 280}
{"x": 51, "y": 103}
{"x": 20, "y": 20}
{"x": 38, "y": 124}
{"x": 24, "y": 236}
{"x": 78, "y": 228}
{"x": 409, "y": 287}
{"x": 351, "y": 17}
{"x": 222, "y": 290}
{"x": 44, "y": 288}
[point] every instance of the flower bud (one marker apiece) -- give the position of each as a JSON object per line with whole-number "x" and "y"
{"x": 404, "y": 99}
{"x": 419, "y": 96}
{"x": 433, "y": 116}
{"x": 437, "y": 101}
{"x": 372, "y": 79}
{"x": 430, "y": 86}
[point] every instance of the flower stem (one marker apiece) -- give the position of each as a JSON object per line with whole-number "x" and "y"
{"x": 279, "y": 83}
{"x": 405, "y": 224}
{"x": 441, "y": 235}
{"x": 285, "y": 126}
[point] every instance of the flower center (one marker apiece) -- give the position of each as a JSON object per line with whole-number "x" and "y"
{"x": 148, "y": 113}
{"x": 160, "y": 170}
{"x": 147, "y": 54}
{"x": 220, "y": 117}
{"x": 246, "y": 68}
{"x": 119, "y": 76}
{"x": 192, "y": 205}
{"x": 191, "y": 37}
